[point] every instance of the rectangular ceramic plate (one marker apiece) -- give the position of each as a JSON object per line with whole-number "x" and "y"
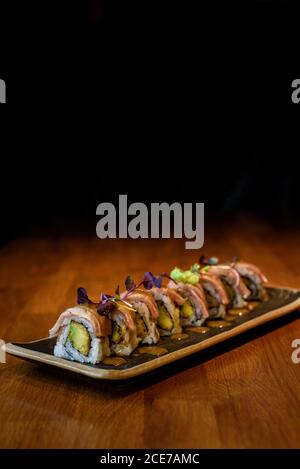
{"x": 280, "y": 302}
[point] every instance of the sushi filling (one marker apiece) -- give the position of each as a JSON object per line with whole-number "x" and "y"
{"x": 164, "y": 321}
{"x": 123, "y": 340}
{"x": 230, "y": 293}
{"x": 186, "y": 310}
{"x": 211, "y": 301}
{"x": 235, "y": 299}
{"x": 145, "y": 324}
{"x": 77, "y": 342}
{"x": 215, "y": 308}
{"x": 252, "y": 287}
{"x": 118, "y": 333}
{"x": 258, "y": 292}
{"x": 188, "y": 314}
{"x": 141, "y": 328}
{"x": 79, "y": 337}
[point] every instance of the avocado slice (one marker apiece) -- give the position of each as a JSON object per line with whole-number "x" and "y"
{"x": 116, "y": 335}
{"x": 79, "y": 337}
{"x": 186, "y": 310}
{"x": 164, "y": 321}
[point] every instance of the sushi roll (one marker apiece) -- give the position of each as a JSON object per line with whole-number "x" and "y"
{"x": 146, "y": 315}
{"x": 117, "y": 324}
{"x": 236, "y": 289}
{"x": 124, "y": 338}
{"x": 253, "y": 278}
{"x": 215, "y": 293}
{"x": 82, "y": 335}
{"x": 193, "y": 311}
{"x": 168, "y": 302}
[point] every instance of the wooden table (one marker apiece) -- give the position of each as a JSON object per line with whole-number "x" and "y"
{"x": 245, "y": 393}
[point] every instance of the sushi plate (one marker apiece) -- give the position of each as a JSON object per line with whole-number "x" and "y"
{"x": 280, "y": 302}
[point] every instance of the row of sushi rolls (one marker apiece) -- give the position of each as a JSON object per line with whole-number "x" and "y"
{"x": 157, "y": 306}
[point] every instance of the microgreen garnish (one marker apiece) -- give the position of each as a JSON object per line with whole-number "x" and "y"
{"x": 148, "y": 281}
{"x": 129, "y": 283}
{"x": 195, "y": 268}
{"x": 211, "y": 261}
{"x": 82, "y": 297}
{"x": 117, "y": 292}
{"x": 106, "y": 304}
{"x": 203, "y": 260}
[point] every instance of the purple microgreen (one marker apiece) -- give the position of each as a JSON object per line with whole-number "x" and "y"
{"x": 117, "y": 292}
{"x": 149, "y": 281}
{"x": 203, "y": 260}
{"x": 211, "y": 261}
{"x": 104, "y": 297}
{"x": 106, "y": 304}
{"x": 129, "y": 283}
{"x": 82, "y": 296}
{"x": 106, "y": 307}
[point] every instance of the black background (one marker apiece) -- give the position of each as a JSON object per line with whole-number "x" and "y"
{"x": 166, "y": 101}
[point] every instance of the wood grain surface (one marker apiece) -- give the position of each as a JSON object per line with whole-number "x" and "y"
{"x": 244, "y": 393}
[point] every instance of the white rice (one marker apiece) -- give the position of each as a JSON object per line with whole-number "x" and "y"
{"x": 64, "y": 349}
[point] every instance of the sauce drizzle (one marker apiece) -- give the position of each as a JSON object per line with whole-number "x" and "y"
{"x": 198, "y": 329}
{"x": 152, "y": 350}
{"x": 252, "y": 304}
{"x": 179, "y": 336}
{"x": 238, "y": 311}
{"x": 218, "y": 323}
{"x": 115, "y": 361}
